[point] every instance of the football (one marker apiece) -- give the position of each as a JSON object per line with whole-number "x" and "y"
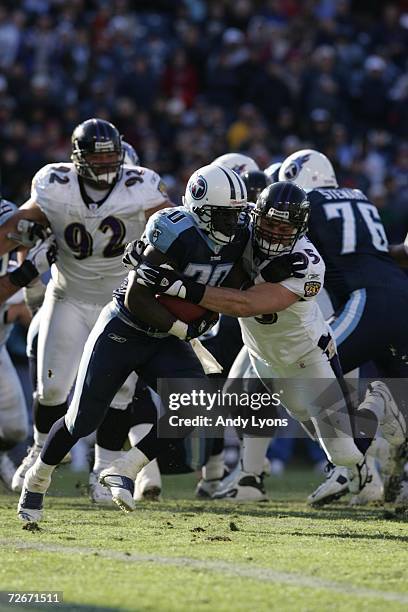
{"x": 183, "y": 310}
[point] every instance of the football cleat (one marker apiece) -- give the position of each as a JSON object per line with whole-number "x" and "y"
{"x": 249, "y": 487}
{"x": 30, "y": 505}
{"x": 7, "y": 469}
{"x": 358, "y": 477}
{"x": 206, "y": 488}
{"x": 98, "y": 494}
{"x": 148, "y": 483}
{"x": 32, "y": 453}
{"x": 121, "y": 488}
{"x": 394, "y": 472}
{"x": 402, "y": 497}
{"x": 393, "y": 424}
{"x": 333, "y": 488}
{"x": 120, "y": 478}
{"x": 373, "y": 491}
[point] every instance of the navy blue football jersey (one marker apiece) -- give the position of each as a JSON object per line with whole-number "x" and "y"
{"x": 347, "y": 230}
{"x": 173, "y": 232}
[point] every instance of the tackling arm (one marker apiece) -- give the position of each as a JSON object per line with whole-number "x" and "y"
{"x": 264, "y": 298}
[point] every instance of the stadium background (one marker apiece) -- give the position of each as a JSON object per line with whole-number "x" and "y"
{"x": 187, "y": 81}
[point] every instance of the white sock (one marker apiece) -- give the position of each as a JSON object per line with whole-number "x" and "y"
{"x": 132, "y": 462}
{"x": 40, "y": 477}
{"x": 214, "y": 468}
{"x": 104, "y": 458}
{"x": 253, "y": 454}
{"x": 39, "y": 438}
{"x": 138, "y": 432}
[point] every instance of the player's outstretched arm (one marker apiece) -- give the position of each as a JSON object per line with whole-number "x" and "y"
{"x": 264, "y": 298}
{"x": 30, "y": 211}
{"x": 37, "y": 261}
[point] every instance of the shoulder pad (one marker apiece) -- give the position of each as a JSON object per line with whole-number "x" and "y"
{"x": 165, "y": 226}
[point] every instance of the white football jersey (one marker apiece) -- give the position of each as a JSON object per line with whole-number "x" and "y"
{"x": 282, "y": 338}
{"x": 91, "y": 237}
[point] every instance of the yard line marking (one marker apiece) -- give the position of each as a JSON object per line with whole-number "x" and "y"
{"x": 255, "y": 573}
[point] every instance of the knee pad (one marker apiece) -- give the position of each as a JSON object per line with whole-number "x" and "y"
{"x": 50, "y": 393}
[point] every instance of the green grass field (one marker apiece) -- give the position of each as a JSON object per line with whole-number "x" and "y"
{"x": 183, "y": 554}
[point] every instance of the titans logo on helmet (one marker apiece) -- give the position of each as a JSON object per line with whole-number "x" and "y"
{"x": 295, "y": 167}
{"x": 198, "y": 187}
{"x": 239, "y": 168}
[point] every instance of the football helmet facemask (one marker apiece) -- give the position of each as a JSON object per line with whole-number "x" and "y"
{"x": 97, "y": 152}
{"x": 280, "y": 218}
{"x": 216, "y": 197}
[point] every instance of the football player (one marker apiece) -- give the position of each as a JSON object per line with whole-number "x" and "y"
{"x": 93, "y": 205}
{"x": 203, "y": 238}
{"x": 13, "y": 413}
{"x": 368, "y": 290}
{"x": 287, "y": 336}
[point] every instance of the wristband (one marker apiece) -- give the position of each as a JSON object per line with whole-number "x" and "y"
{"x": 179, "y": 329}
{"x": 24, "y": 274}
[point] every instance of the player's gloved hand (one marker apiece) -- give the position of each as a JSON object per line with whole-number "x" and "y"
{"x": 43, "y": 254}
{"x": 132, "y": 255}
{"x": 28, "y": 233}
{"x": 38, "y": 260}
{"x": 164, "y": 279}
{"x": 188, "y": 331}
{"x": 285, "y": 266}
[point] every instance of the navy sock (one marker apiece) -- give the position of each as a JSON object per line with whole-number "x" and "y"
{"x": 46, "y": 416}
{"x": 365, "y": 427}
{"x": 113, "y": 432}
{"x": 58, "y": 443}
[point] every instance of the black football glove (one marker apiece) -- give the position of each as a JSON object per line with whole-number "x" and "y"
{"x": 164, "y": 279}
{"x": 132, "y": 255}
{"x": 201, "y": 326}
{"x": 285, "y": 266}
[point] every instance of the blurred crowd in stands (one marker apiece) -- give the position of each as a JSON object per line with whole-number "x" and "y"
{"x": 188, "y": 80}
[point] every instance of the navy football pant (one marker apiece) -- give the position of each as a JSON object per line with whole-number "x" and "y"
{"x": 372, "y": 326}
{"x": 112, "y": 351}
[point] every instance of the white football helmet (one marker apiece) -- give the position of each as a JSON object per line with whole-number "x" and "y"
{"x": 131, "y": 157}
{"x": 309, "y": 169}
{"x": 216, "y": 197}
{"x": 272, "y": 172}
{"x": 237, "y": 161}
{"x": 7, "y": 210}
